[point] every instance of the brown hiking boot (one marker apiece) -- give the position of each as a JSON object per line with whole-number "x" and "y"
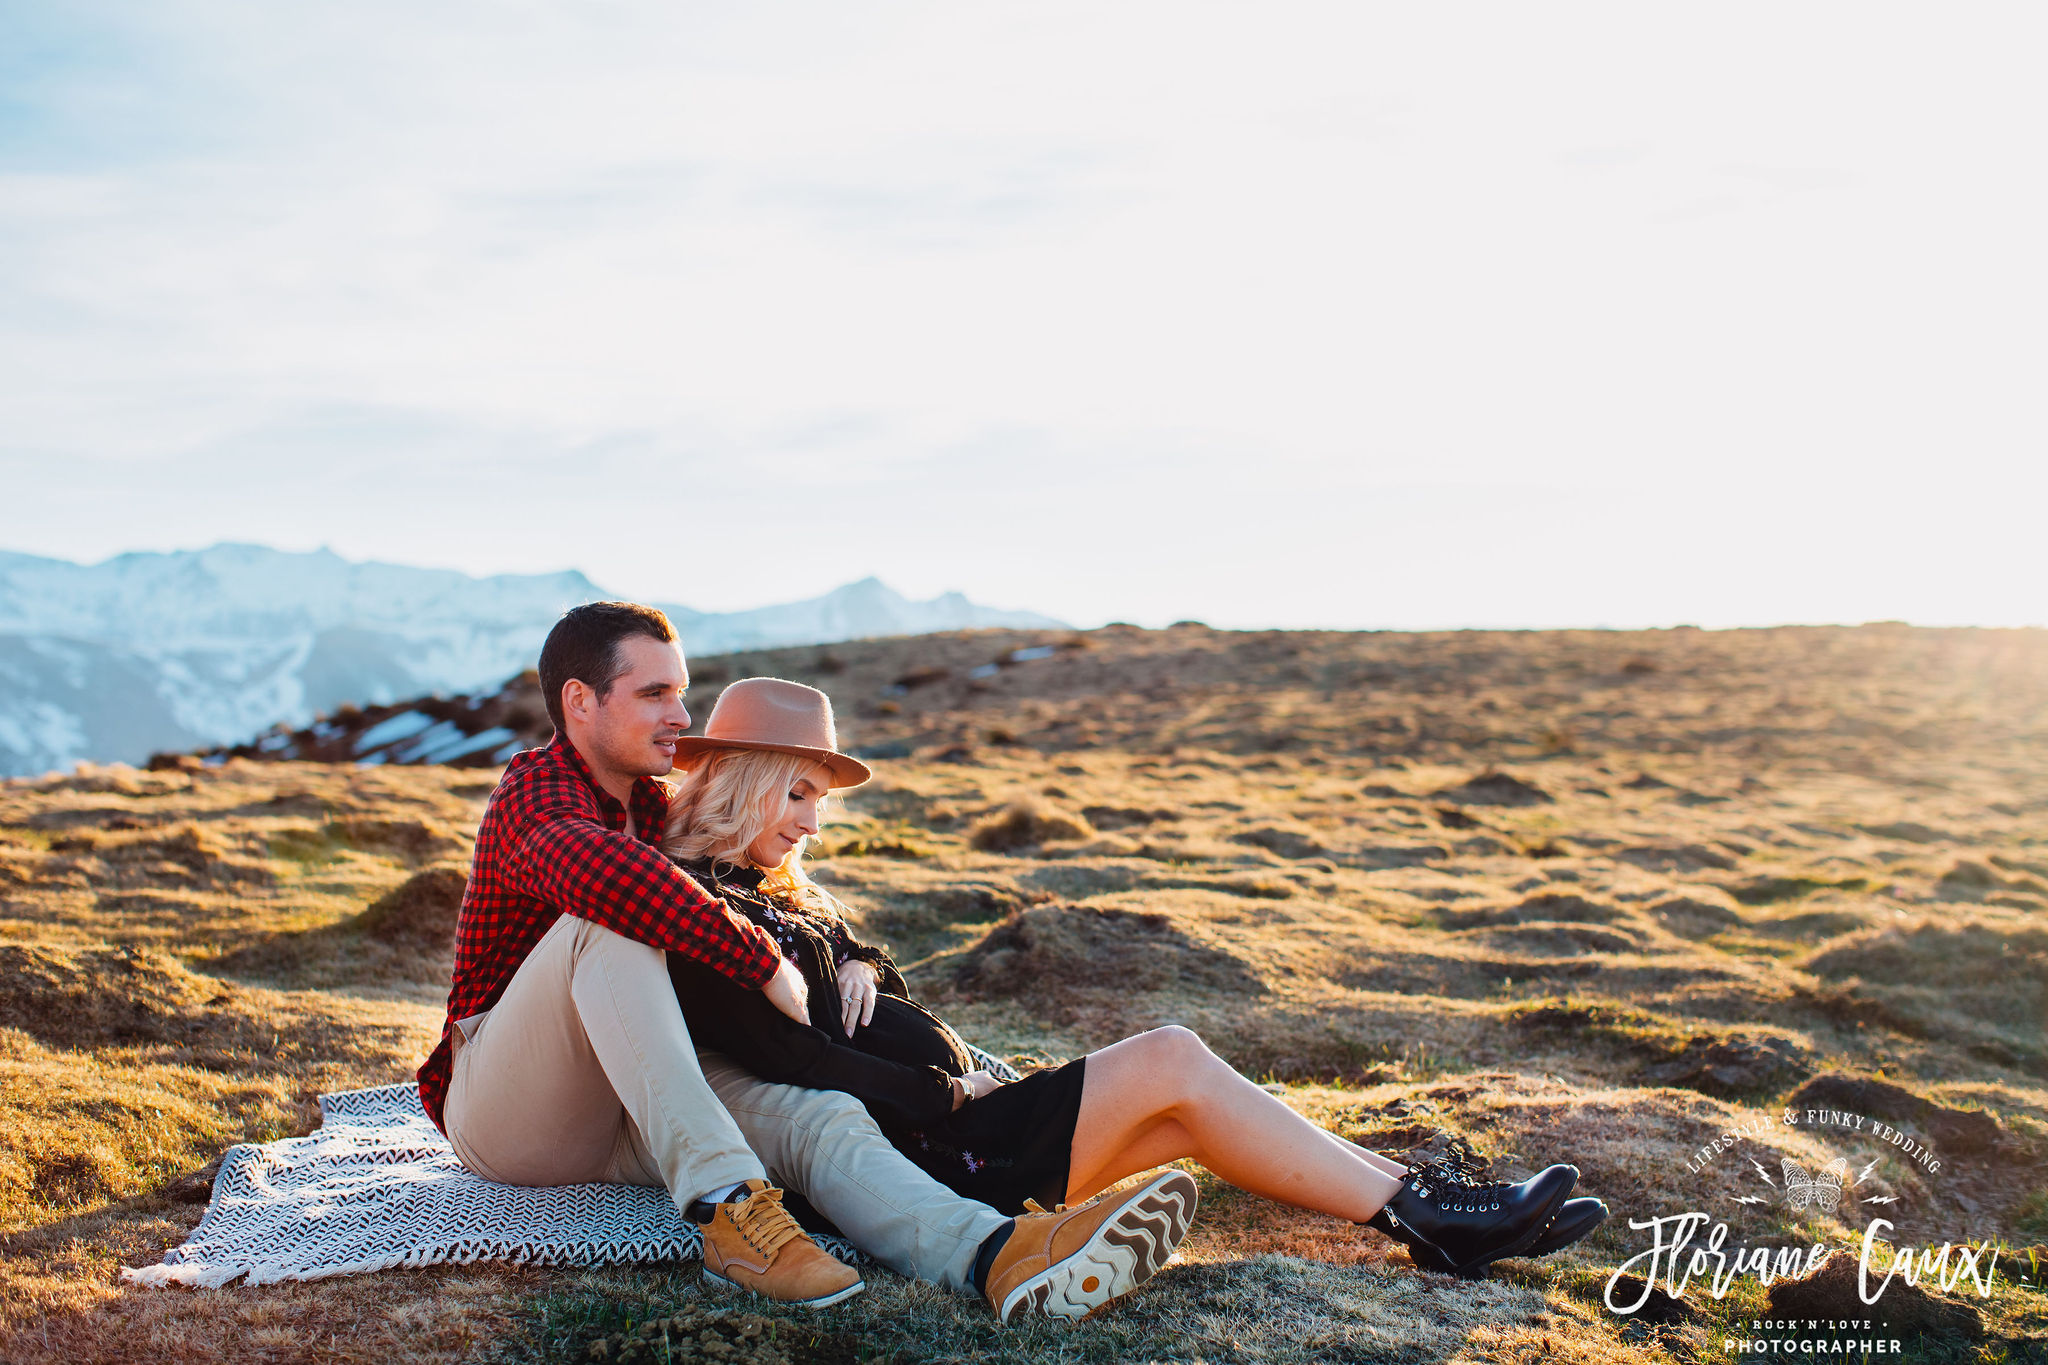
{"x": 754, "y": 1243}
{"x": 1070, "y": 1262}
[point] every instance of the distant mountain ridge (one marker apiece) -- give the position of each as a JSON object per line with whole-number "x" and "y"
{"x": 146, "y": 652}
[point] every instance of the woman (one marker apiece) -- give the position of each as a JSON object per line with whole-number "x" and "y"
{"x": 756, "y": 785}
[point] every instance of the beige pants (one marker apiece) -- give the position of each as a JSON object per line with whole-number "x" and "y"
{"x": 584, "y": 1072}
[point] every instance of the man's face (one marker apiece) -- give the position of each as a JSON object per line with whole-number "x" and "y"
{"x": 632, "y": 729}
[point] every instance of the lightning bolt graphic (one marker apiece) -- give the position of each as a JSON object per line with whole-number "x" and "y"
{"x": 1758, "y": 1199}
{"x": 1882, "y": 1199}
{"x": 1868, "y": 1169}
{"x": 1764, "y": 1173}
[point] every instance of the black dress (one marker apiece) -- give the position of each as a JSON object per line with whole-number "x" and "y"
{"x": 1012, "y": 1144}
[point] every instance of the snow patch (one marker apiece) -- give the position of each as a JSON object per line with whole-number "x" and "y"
{"x": 404, "y": 725}
{"x": 469, "y": 744}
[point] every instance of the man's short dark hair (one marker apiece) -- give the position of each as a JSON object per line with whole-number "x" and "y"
{"x": 585, "y": 645}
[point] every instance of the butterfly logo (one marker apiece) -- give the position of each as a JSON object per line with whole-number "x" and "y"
{"x": 1823, "y": 1190}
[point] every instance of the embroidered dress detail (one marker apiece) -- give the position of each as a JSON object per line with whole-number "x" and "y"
{"x": 968, "y": 1161}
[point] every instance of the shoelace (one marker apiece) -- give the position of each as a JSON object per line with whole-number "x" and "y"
{"x": 1033, "y": 1206}
{"x": 763, "y": 1223}
{"x": 1456, "y": 1171}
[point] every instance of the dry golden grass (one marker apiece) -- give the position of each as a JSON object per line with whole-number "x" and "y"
{"x": 1578, "y": 896}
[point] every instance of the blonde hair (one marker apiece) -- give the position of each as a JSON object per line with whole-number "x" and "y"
{"x": 727, "y": 801}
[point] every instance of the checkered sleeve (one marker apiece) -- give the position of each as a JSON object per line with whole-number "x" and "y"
{"x": 568, "y": 859}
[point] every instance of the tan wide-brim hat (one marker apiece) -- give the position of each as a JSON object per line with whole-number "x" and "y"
{"x": 778, "y": 715}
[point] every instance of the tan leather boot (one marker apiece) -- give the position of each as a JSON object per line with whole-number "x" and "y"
{"x": 1070, "y": 1262}
{"x": 754, "y": 1243}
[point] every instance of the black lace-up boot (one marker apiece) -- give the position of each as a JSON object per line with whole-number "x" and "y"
{"x": 1452, "y": 1220}
{"x": 1573, "y": 1220}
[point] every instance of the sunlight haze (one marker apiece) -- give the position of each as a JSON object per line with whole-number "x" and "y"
{"x": 1322, "y": 315}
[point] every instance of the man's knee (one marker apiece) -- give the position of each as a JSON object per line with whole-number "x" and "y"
{"x": 616, "y": 963}
{"x": 590, "y": 936}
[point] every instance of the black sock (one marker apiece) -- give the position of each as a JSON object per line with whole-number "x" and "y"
{"x": 991, "y": 1247}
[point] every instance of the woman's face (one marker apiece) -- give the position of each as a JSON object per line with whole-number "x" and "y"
{"x": 795, "y": 820}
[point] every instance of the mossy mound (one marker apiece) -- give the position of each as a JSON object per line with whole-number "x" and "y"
{"x": 1054, "y": 952}
{"x": 97, "y": 997}
{"x": 1024, "y": 824}
{"x": 421, "y": 912}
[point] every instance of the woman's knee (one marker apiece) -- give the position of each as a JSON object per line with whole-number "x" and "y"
{"x": 1173, "y": 1045}
{"x": 1178, "y": 1042}
{"x": 1164, "y": 1066}
{"x": 1205, "y": 1078}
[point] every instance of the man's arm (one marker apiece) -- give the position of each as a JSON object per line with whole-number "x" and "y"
{"x": 567, "y": 858}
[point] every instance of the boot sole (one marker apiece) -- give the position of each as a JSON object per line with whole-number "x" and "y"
{"x": 1429, "y": 1258}
{"x": 1527, "y": 1239}
{"x": 1128, "y": 1249}
{"x": 822, "y": 1301}
{"x": 1558, "y": 1241}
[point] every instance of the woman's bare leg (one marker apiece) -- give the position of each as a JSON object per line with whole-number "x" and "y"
{"x": 1384, "y": 1163}
{"x": 1164, "y": 1095}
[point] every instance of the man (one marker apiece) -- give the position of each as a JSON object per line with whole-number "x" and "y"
{"x": 564, "y": 1058}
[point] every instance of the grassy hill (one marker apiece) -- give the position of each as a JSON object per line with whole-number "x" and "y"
{"x": 1585, "y": 896}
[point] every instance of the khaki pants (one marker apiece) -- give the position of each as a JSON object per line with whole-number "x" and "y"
{"x": 584, "y": 1072}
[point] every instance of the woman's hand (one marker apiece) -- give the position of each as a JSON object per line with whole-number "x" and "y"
{"x": 973, "y": 1086}
{"x": 859, "y": 984}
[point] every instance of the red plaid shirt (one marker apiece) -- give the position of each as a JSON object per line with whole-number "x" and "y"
{"x": 554, "y": 843}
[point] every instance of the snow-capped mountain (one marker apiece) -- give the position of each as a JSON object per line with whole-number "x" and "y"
{"x": 148, "y": 652}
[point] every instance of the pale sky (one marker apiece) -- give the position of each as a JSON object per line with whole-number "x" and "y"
{"x": 1300, "y": 315}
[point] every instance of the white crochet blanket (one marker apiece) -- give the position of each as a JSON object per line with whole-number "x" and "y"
{"x": 377, "y": 1186}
